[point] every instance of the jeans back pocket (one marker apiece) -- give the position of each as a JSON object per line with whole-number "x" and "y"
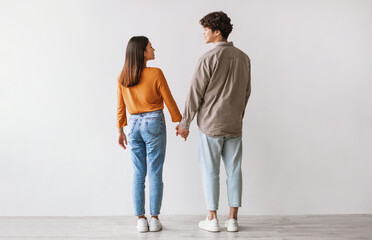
{"x": 154, "y": 125}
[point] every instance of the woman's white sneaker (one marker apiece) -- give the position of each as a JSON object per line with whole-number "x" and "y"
{"x": 142, "y": 225}
{"x": 155, "y": 225}
{"x": 210, "y": 225}
{"x": 231, "y": 225}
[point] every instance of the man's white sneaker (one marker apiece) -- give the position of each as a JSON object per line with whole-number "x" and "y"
{"x": 142, "y": 225}
{"x": 155, "y": 225}
{"x": 210, "y": 225}
{"x": 231, "y": 225}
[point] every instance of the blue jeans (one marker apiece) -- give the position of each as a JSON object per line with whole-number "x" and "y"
{"x": 211, "y": 149}
{"x": 147, "y": 140}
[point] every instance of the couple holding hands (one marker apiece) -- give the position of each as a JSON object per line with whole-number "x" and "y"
{"x": 218, "y": 94}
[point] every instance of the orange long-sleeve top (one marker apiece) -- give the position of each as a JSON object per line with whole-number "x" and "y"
{"x": 148, "y": 95}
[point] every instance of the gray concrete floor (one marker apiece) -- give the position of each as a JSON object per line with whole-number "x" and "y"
{"x": 297, "y": 227}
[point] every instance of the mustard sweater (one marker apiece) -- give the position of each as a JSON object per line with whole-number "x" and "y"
{"x": 148, "y": 95}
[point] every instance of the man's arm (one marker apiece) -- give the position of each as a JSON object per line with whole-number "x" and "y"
{"x": 196, "y": 93}
{"x": 248, "y": 90}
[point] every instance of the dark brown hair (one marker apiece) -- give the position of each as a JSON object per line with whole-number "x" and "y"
{"x": 218, "y": 21}
{"x": 134, "y": 61}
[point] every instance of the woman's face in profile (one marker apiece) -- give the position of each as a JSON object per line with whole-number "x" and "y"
{"x": 149, "y": 52}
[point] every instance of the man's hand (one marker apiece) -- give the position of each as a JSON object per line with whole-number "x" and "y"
{"x": 183, "y": 132}
{"x": 122, "y": 139}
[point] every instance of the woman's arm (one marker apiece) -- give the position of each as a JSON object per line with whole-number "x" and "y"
{"x": 168, "y": 98}
{"x": 121, "y": 117}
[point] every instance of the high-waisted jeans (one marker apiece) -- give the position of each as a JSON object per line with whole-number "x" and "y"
{"x": 147, "y": 141}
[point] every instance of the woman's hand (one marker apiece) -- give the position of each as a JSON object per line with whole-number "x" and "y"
{"x": 122, "y": 139}
{"x": 183, "y": 132}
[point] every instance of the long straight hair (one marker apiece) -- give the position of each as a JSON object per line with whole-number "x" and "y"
{"x": 134, "y": 61}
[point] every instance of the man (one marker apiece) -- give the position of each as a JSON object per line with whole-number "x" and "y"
{"x": 219, "y": 93}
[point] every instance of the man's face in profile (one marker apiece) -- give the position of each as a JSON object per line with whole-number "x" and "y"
{"x": 209, "y": 36}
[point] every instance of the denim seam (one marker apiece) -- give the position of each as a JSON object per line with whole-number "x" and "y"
{"x": 132, "y": 129}
{"x": 154, "y": 118}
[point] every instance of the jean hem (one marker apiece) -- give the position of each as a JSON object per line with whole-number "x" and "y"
{"x": 212, "y": 209}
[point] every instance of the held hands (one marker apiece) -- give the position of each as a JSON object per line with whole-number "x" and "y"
{"x": 183, "y": 132}
{"x": 122, "y": 139}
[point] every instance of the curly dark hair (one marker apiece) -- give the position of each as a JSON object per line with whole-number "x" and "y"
{"x": 218, "y": 21}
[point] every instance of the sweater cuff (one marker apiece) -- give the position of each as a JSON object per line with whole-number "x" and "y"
{"x": 178, "y": 118}
{"x": 120, "y": 125}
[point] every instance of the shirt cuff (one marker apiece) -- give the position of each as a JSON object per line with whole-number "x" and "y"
{"x": 184, "y": 124}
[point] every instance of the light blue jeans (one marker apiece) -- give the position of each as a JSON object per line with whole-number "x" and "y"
{"x": 147, "y": 140}
{"x": 211, "y": 149}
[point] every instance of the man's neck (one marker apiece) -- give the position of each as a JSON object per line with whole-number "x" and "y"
{"x": 219, "y": 40}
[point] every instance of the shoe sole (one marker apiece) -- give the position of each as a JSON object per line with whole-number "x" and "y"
{"x": 231, "y": 229}
{"x": 142, "y": 230}
{"x": 215, "y": 229}
{"x": 151, "y": 230}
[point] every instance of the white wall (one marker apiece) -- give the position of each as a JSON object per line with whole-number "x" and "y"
{"x": 307, "y": 131}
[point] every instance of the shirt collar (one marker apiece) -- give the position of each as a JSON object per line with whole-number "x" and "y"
{"x": 224, "y": 44}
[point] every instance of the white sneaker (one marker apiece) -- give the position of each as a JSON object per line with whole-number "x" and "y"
{"x": 210, "y": 225}
{"x": 231, "y": 225}
{"x": 142, "y": 225}
{"x": 155, "y": 225}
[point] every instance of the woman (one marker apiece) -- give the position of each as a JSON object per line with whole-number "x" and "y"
{"x": 143, "y": 90}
